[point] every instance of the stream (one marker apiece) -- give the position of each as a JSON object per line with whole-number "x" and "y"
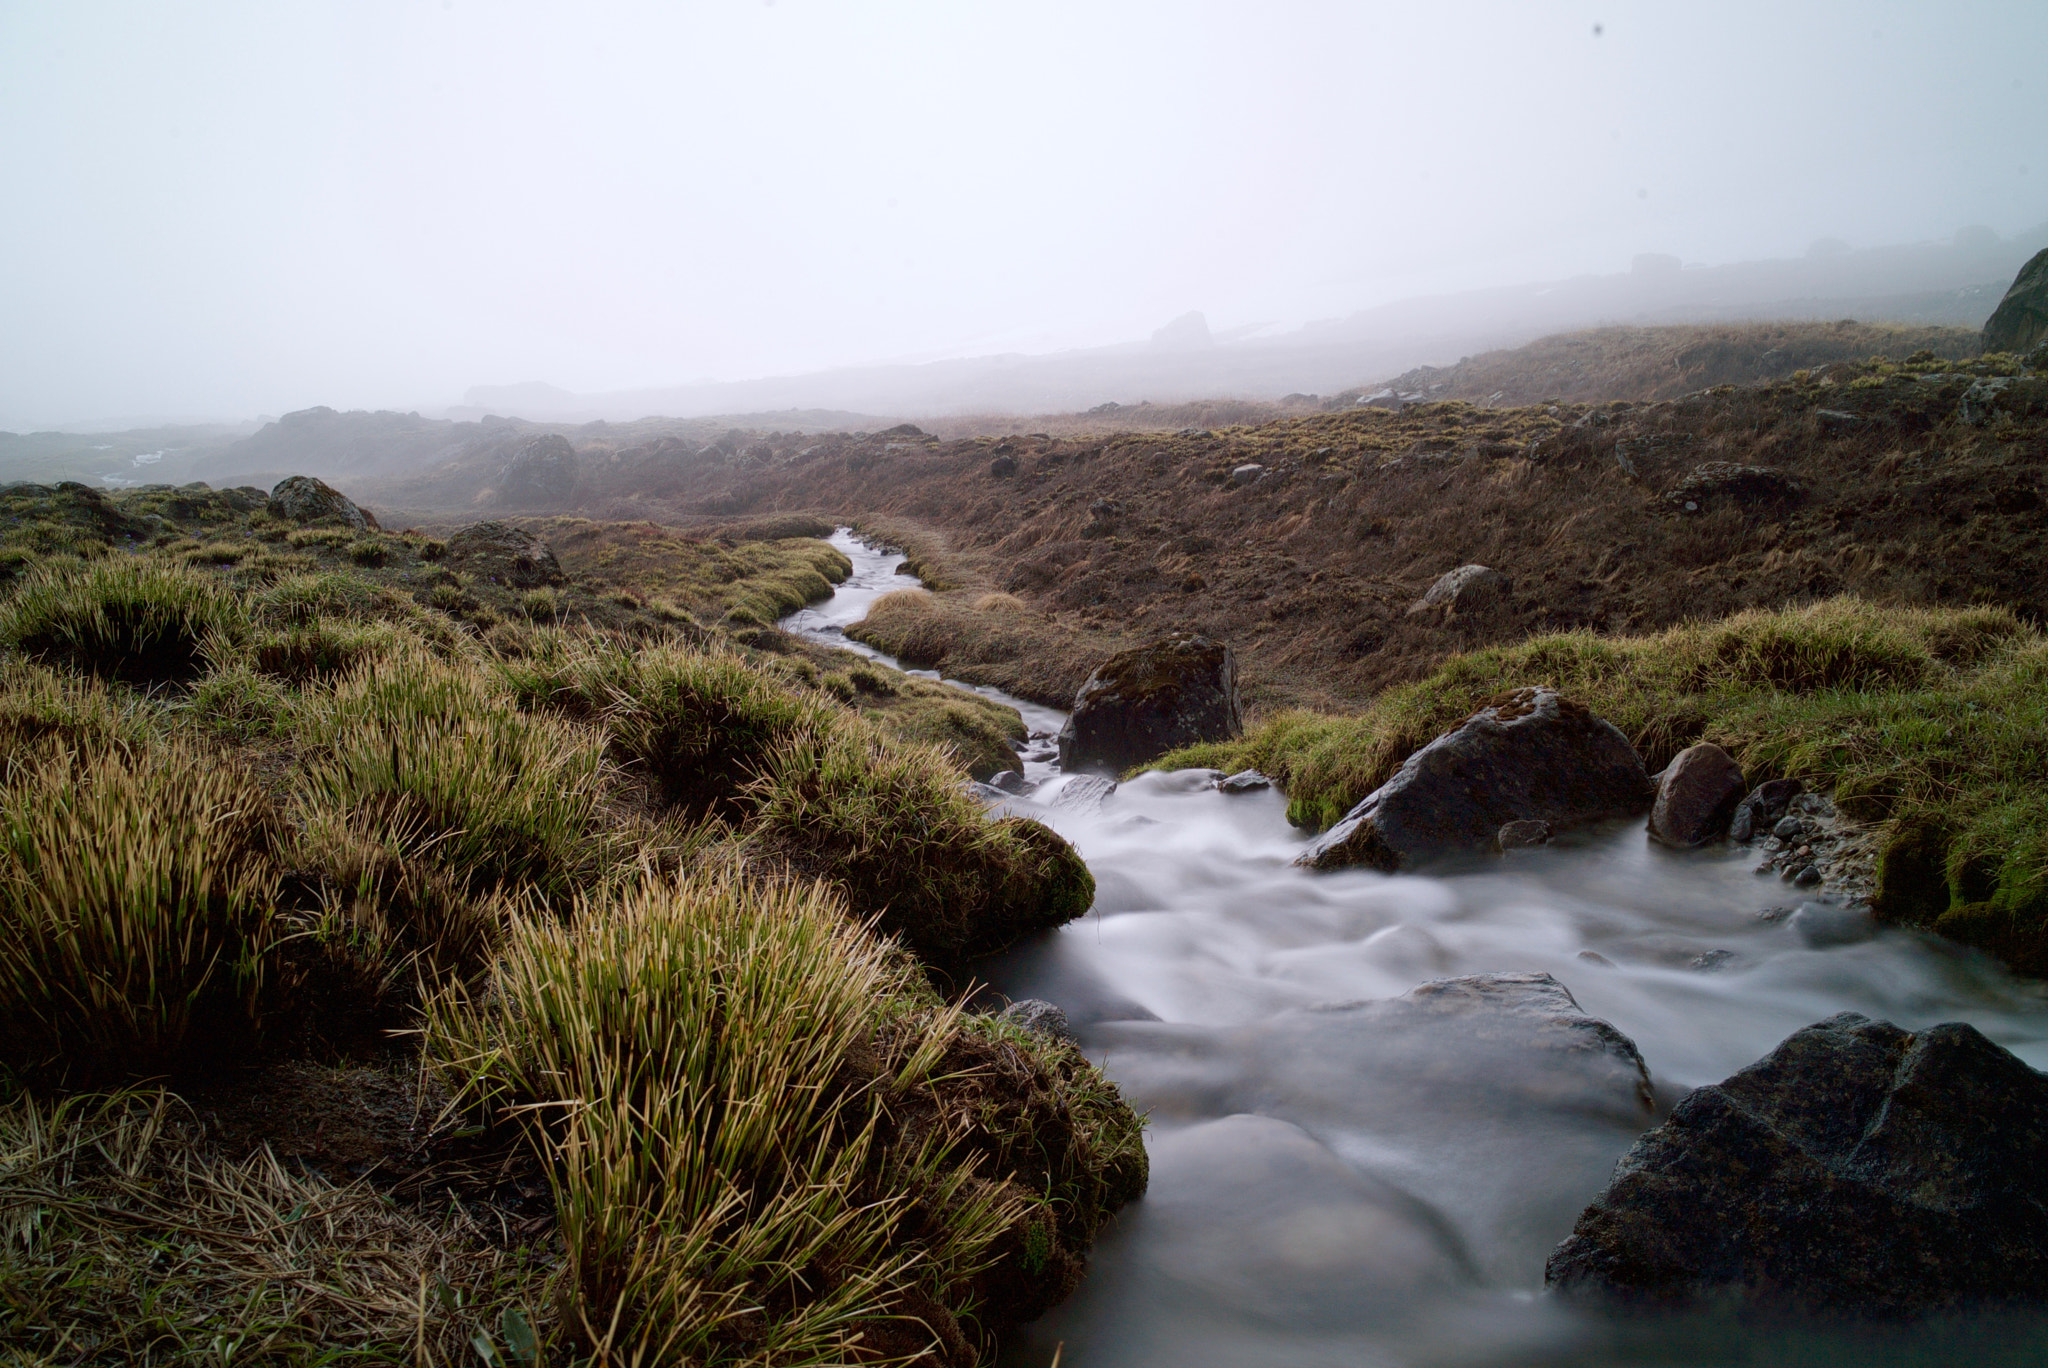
{"x": 1332, "y": 1185}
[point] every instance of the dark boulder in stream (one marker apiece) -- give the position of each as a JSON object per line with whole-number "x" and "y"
{"x": 1696, "y": 796}
{"x": 1858, "y": 1168}
{"x": 1141, "y": 704}
{"x": 1533, "y": 756}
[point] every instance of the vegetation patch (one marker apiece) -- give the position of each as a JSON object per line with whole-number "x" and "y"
{"x": 137, "y": 621}
{"x": 1931, "y": 721}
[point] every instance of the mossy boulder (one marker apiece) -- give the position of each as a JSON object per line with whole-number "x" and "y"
{"x": 1140, "y": 704}
{"x": 2020, "y": 323}
{"x": 504, "y": 554}
{"x": 1533, "y": 755}
{"x": 304, "y": 499}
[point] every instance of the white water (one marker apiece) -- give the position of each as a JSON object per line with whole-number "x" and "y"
{"x": 1326, "y": 1191}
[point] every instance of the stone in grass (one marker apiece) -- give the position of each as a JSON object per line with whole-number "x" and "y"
{"x": 1533, "y": 755}
{"x": 1858, "y": 1168}
{"x": 1469, "y": 590}
{"x": 1696, "y": 796}
{"x": 504, "y": 554}
{"x": 303, "y": 499}
{"x": 1039, "y": 1017}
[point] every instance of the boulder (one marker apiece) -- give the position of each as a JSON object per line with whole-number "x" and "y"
{"x": 1244, "y": 781}
{"x": 1531, "y": 756}
{"x": 543, "y": 473}
{"x": 1858, "y": 1168}
{"x": 1140, "y": 704}
{"x": 2020, "y": 322}
{"x": 1696, "y": 796}
{"x": 303, "y": 499}
{"x": 504, "y": 554}
{"x": 1763, "y": 809}
{"x": 1466, "y": 591}
{"x": 1246, "y": 473}
{"x": 1724, "y": 484}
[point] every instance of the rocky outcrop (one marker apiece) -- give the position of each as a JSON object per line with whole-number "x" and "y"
{"x": 1532, "y": 756}
{"x": 303, "y": 499}
{"x": 542, "y": 474}
{"x": 2020, "y": 322}
{"x": 1466, "y": 591}
{"x": 504, "y": 554}
{"x": 1857, "y": 1168}
{"x": 1141, "y": 704}
{"x": 1696, "y": 797}
{"x": 1723, "y": 484}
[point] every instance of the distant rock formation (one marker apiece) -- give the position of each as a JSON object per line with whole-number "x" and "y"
{"x": 542, "y": 475}
{"x": 2020, "y": 323}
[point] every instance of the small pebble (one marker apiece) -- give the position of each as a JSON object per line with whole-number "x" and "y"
{"x": 1807, "y": 877}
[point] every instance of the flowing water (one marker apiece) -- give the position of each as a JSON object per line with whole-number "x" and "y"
{"x": 1334, "y": 1185}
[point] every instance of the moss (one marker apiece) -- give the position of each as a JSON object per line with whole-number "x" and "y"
{"x": 1912, "y": 871}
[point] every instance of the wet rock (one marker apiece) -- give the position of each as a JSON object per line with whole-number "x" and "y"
{"x": 1244, "y": 781}
{"x": 542, "y": 474}
{"x": 1696, "y": 796}
{"x": 1466, "y": 591}
{"x": 1723, "y": 484}
{"x": 1140, "y": 704}
{"x": 2020, "y": 322}
{"x": 302, "y": 499}
{"x": 1246, "y": 473}
{"x": 1533, "y": 756}
{"x": 1858, "y": 1168}
{"x": 1807, "y": 877}
{"x": 1707, "y": 961}
{"x": 1762, "y": 809}
{"x": 1040, "y": 1017}
{"x": 1010, "y": 781}
{"x": 1519, "y": 835}
{"x": 1082, "y": 793}
{"x": 1788, "y": 828}
{"x": 504, "y": 554}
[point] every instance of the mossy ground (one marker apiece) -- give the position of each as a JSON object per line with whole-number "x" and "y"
{"x": 374, "y": 798}
{"x": 1929, "y": 722}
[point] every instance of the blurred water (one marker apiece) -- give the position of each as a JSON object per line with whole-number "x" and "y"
{"x": 1332, "y": 1185}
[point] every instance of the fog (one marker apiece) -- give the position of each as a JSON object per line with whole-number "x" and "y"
{"x": 222, "y": 210}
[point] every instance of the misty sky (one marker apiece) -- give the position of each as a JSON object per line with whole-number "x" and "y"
{"x": 222, "y": 209}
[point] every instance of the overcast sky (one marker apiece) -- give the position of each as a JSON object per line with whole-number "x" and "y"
{"x": 222, "y": 209}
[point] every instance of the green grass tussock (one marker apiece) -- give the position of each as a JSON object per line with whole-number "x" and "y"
{"x": 430, "y": 757}
{"x": 892, "y": 828}
{"x": 137, "y": 621}
{"x": 1932, "y": 721}
{"x": 136, "y": 910}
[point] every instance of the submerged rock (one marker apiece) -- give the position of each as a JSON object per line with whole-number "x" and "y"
{"x": 1696, "y": 796}
{"x": 1857, "y": 1168}
{"x": 504, "y": 554}
{"x": 301, "y": 498}
{"x": 1244, "y": 781}
{"x": 1143, "y": 703}
{"x": 1533, "y": 756}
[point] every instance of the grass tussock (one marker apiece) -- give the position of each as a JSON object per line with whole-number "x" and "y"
{"x": 428, "y": 756}
{"x": 123, "y": 1240}
{"x": 891, "y": 828}
{"x": 740, "y": 578}
{"x": 137, "y": 890}
{"x": 987, "y": 641}
{"x": 1932, "y": 721}
{"x": 137, "y": 621}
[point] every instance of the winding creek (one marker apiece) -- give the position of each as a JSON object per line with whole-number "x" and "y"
{"x": 1336, "y": 1185}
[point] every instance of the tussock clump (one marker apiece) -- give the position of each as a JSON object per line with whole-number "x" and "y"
{"x": 432, "y": 758}
{"x": 893, "y": 828}
{"x": 136, "y": 911}
{"x": 690, "y": 1060}
{"x": 318, "y": 650}
{"x": 702, "y": 724}
{"x": 138, "y": 621}
{"x": 43, "y": 711}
